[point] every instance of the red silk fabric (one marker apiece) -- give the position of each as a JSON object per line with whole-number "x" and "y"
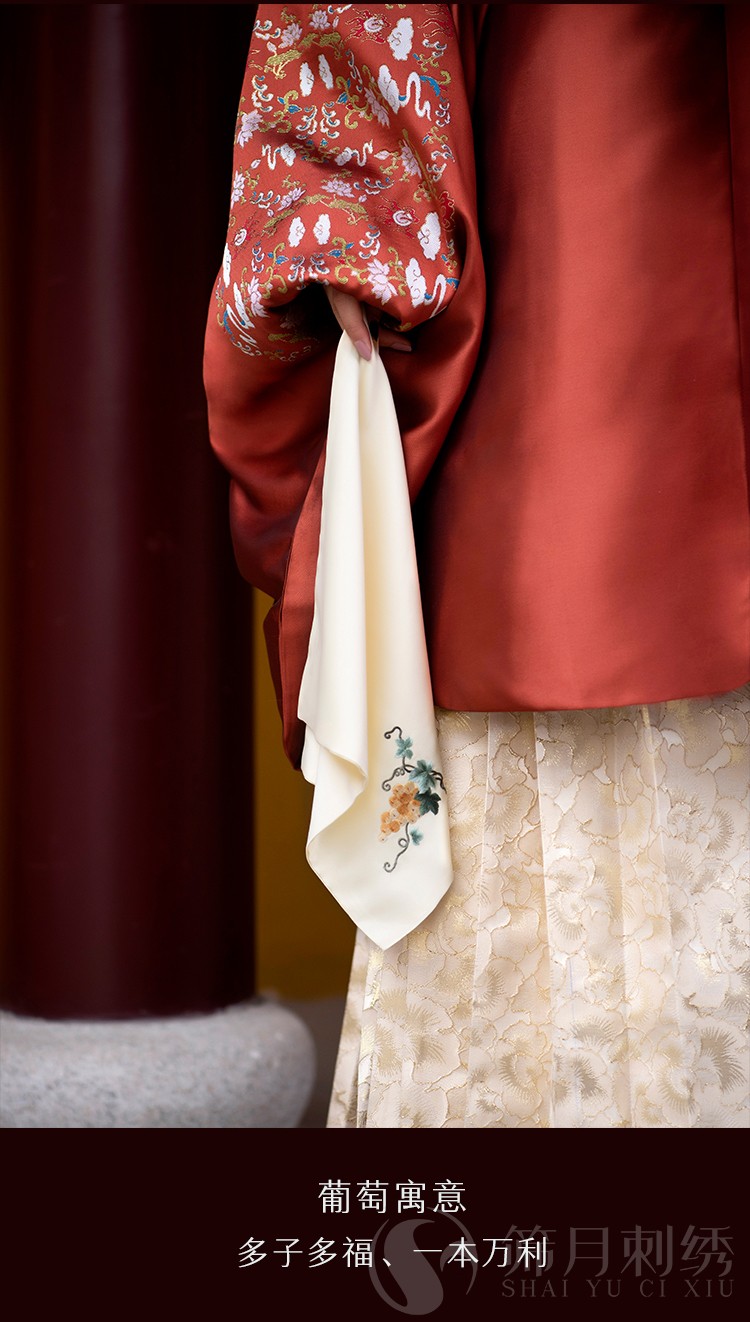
{"x": 582, "y": 524}
{"x": 585, "y": 533}
{"x": 268, "y": 406}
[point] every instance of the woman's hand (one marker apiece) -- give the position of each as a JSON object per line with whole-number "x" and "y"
{"x": 350, "y": 314}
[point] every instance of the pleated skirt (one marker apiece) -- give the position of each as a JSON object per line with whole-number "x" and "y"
{"x": 589, "y": 966}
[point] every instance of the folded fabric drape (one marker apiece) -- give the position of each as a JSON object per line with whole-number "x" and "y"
{"x": 378, "y": 834}
{"x": 353, "y": 167}
{"x": 582, "y": 470}
{"x": 588, "y": 967}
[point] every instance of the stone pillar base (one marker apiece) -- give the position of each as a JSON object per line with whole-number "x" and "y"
{"x": 251, "y": 1066}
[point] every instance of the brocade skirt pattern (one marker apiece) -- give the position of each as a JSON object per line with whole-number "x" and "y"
{"x": 588, "y": 967}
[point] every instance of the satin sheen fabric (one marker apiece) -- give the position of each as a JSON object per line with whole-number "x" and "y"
{"x": 584, "y": 535}
{"x": 378, "y": 835}
{"x": 267, "y": 415}
{"x": 582, "y": 525}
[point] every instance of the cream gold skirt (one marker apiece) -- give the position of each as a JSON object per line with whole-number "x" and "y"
{"x": 589, "y": 966}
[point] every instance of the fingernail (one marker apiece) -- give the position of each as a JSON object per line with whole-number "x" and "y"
{"x": 401, "y": 348}
{"x": 363, "y": 349}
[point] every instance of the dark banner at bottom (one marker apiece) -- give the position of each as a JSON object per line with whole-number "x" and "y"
{"x": 438, "y": 1224}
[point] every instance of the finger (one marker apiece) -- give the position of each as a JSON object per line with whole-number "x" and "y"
{"x": 350, "y": 315}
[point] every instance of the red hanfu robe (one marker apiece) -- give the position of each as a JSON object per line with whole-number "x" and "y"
{"x": 577, "y": 455}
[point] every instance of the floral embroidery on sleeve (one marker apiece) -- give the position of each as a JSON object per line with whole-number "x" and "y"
{"x": 410, "y": 801}
{"x": 341, "y": 145}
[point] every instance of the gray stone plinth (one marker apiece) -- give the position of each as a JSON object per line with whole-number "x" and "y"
{"x": 249, "y": 1067}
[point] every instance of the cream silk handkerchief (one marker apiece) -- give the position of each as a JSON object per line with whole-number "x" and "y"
{"x": 378, "y": 835}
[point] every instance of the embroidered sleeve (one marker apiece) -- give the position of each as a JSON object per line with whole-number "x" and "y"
{"x": 342, "y": 170}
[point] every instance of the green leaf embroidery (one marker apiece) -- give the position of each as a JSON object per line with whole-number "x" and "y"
{"x": 412, "y": 797}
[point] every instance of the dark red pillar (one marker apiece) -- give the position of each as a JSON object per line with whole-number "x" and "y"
{"x": 128, "y": 875}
